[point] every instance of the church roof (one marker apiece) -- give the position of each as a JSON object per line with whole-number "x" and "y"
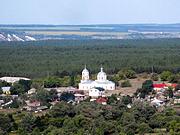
{"x": 101, "y": 73}
{"x": 87, "y": 82}
{"x": 85, "y": 70}
{"x": 100, "y": 89}
{"x": 103, "y": 82}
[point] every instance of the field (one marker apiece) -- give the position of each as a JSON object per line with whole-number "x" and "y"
{"x": 52, "y": 57}
{"x": 81, "y": 33}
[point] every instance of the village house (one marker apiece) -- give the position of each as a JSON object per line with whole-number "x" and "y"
{"x": 79, "y": 97}
{"x": 32, "y": 105}
{"x": 96, "y": 92}
{"x": 102, "y": 100}
{"x": 162, "y": 86}
{"x": 6, "y": 90}
{"x": 13, "y": 79}
{"x": 31, "y": 91}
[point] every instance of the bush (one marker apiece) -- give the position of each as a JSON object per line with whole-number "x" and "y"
{"x": 155, "y": 77}
{"x": 166, "y": 75}
{"x": 126, "y": 73}
{"x": 126, "y": 83}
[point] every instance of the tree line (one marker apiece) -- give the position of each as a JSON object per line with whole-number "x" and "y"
{"x": 58, "y": 57}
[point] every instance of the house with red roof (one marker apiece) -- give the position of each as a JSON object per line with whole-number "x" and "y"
{"x": 102, "y": 100}
{"x": 162, "y": 86}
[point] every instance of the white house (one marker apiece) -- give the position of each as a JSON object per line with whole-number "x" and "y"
{"x": 6, "y": 90}
{"x": 13, "y": 79}
{"x": 157, "y": 102}
{"x": 101, "y": 82}
{"x": 96, "y": 92}
{"x": 32, "y": 91}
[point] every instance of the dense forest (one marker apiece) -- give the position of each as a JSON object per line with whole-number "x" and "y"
{"x": 90, "y": 118}
{"x": 56, "y": 57}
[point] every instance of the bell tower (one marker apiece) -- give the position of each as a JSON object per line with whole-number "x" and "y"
{"x": 85, "y": 74}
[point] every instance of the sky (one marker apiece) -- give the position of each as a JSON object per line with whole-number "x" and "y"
{"x": 89, "y": 11}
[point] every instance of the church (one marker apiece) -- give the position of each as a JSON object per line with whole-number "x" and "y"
{"x": 100, "y": 82}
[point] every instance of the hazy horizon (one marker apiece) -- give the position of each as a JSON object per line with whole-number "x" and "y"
{"x": 90, "y": 12}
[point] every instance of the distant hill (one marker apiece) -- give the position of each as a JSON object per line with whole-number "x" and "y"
{"x": 104, "y": 31}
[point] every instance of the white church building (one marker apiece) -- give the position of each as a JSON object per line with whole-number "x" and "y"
{"x": 101, "y": 82}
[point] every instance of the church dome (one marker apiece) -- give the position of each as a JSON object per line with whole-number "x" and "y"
{"x": 85, "y": 74}
{"x": 85, "y": 71}
{"x": 101, "y": 76}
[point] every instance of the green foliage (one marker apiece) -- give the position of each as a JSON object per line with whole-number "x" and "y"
{"x": 43, "y": 96}
{"x": 147, "y": 87}
{"x": 155, "y": 77}
{"x": 27, "y": 123}
{"x": 61, "y": 110}
{"x": 126, "y": 100}
{"x": 174, "y": 127}
{"x": 62, "y": 57}
{"x": 20, "y": 87}
{"x": 52, "y": 82}
{"x": 15, "y": 104}
{"x": 112, "y": 99}
{"x": 91, "y": 118}
{"x": 1, "y": 91}
{"x": 17, "y": 89}
{"x": 169, "y": 92}
{"x": 144, "y": 128}
{"x": 4, "y": 84}
{"x": 26, "y": 84}
{"x": 126, "y": 74}
{"x": 175, "y": 78}
{"x": 126, "y": 83}
{"x": 166, "y": 75}
{"x": 5, "y": 123}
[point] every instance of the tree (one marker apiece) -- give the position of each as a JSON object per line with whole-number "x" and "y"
{"x": 43, "y": 96}
{"x": 169, "y": 92}
{"x": 5, "y": 123}
{"x": 67, "y": 81}
{"x": 165, "y": 75}
{"x": 112, "y": 99}
{"x": 26, "y": 84}
{"x": 147, "y": 85}
{"x": 126, "y": 83}
{"x": 17, "y": 89}
{"x": 155, "y": 77}
{"x": 126, "y": 73}
{"x": 157, "y": 121}
{"x": 53, "y": 94}
{"x": 1, "y": 91}
{"x": 174, "y": 78}
{"x": 127, "y": 118}
{"x": 52, "y": 82}
{"x": 126, "y": 100}
{"x": 174, "y": 127}
{"x": 27, "y": 123}
{"x": 144, "y": 128}
{"x": 15, "y": 104}
{"x": 61, "y": 110}
{"x": 4, "y": 84}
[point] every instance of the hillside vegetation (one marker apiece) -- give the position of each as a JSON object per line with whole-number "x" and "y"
{"x": 42, "y": 58}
